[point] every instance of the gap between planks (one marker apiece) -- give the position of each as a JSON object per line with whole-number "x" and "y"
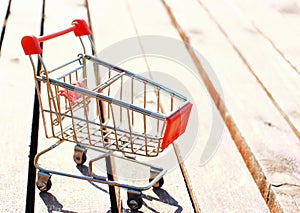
{"x": 243, "y": 58}
{"x": 108, "y": 37}
{"x": 276, "y": 35}
{"x": 149, "y": 25}
{"x": 6, "y": 16}
{"x": 285, "y": 96}
{"x": 18, "y": 102}
{"x": 220, "y": 107}
{"x": 48, "y": 200}
{"x": 30, "y": 196}
{"x": 180, "y": 160}
{"x": 249, "y": 158}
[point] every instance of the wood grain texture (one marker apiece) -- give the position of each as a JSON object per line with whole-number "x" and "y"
{"x": 16, "y": 106}
{"x": 204, "y": 178}
{"x": 267, "y": 68}
{"x": 274, "y": 74}
{"x": 277, "y": 22}
{"x": 263, "y": 139}
{"x": 254, "y": 62}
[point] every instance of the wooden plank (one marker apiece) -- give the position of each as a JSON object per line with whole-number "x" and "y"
{"x": 283, "y": 35}
{"x": 261, "y": 132}
{"x": 173, "y": 197}
{"x": 69, "y": 194}
{"x": 275, "y": 74}
{"x": 205, "y": 179}
{"x": 16, "y": 107}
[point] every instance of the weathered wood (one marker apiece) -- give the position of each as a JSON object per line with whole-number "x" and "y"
{"x": 69, "y": 194}
{"x": 278, "y": 23}
{"x": 16, "y": 106}
{"x": 261, "y": 128}
{"x": 223, "y": 183}
{"x": 205, "y": 179}
{"x": 275, "y": 75}
{"x": 281, "y": 82}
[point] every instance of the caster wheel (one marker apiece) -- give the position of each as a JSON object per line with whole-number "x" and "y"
{"x": 43, "y": 183}
{"x": 135, "y": 203}
{"x": 44, "y": 186}
{"x": 79, "y": 156}
{"x": 158, "y": 184}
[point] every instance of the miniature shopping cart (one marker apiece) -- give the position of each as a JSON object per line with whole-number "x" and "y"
{"x": 104, "y": 108}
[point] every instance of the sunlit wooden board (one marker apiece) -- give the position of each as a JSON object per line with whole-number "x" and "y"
{"x": 261, "y": 126}
{"x": 204, "y": 178}
{"x": 16, "y": 105}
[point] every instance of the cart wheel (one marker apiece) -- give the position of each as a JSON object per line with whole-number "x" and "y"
{"x": 158, "y": 184}
{"x": 135, "y": 203}
{"x": 79, "y": 160}
{"x": 44, "y": 186}
{"x": 43, "y": 182}
{"x": 134, "y": 200}
{"x": 79, "y": 155}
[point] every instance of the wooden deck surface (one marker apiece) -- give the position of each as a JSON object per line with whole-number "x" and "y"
{"x": 246, "y": 115}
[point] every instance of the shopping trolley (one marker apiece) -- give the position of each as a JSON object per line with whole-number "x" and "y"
{"x": 105, "y": 108}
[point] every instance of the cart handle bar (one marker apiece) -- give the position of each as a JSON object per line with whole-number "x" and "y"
{"x": 31, "y": 44}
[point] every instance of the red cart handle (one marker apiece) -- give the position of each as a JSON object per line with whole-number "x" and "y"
{"x": 31, "y": 44}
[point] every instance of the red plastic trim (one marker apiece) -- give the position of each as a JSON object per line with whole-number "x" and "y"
{"x": 72, "y": 95}
{"x": 176, "y": 125}
{"x": 56, "y": 34}
{"x": 81, "y": 28}
{"x": 31, "y": 44}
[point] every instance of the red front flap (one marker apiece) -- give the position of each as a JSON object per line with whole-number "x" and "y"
{"x": 176, "y": 125}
